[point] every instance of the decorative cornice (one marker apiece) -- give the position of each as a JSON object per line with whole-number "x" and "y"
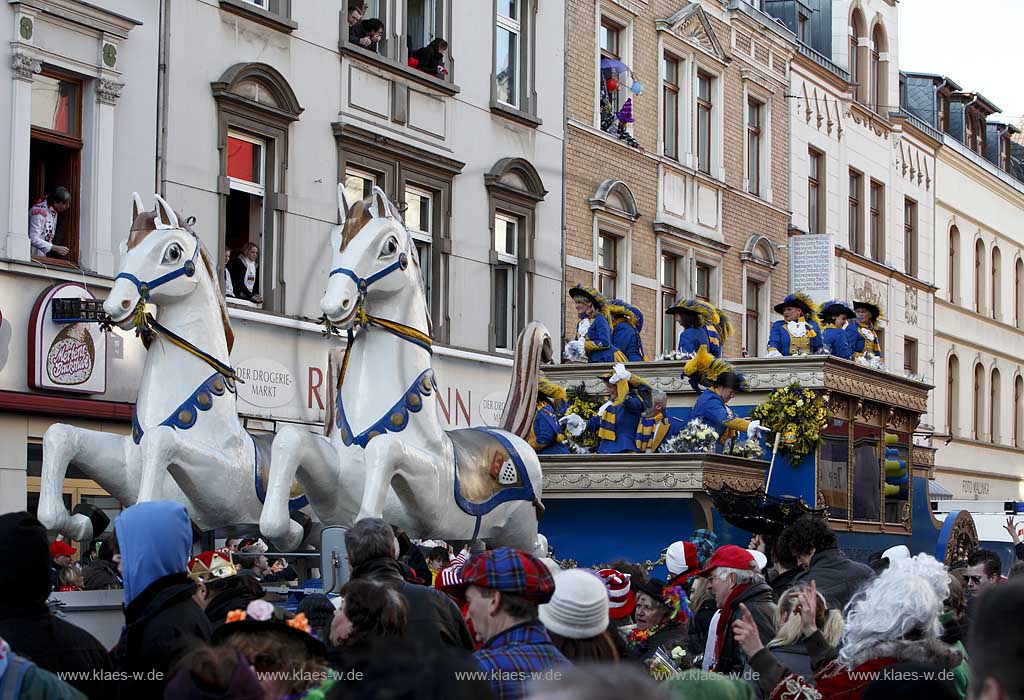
{"x": 877, "y": 386}
{"x": 883, "y": 269}
{"x": 923, "y": 456}
{"x": 107, "y": 91}
{"x": 25, "y": 67}
{"x": 668, "y": 475}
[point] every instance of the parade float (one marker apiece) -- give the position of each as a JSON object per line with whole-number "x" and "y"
{"x": 862, "y": 471}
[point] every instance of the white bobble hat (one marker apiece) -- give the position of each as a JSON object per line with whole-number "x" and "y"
{"x": 579, "y": 607}
{"x": 759, "y": 558}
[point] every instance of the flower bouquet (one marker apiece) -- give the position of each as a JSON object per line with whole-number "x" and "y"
{"x": 575, "y": 351}
{"x": 749, "y": 449}
{"x": 697, "y": 436}
{"x": 581, "y": 405}
{"x": 870, "y": 359}
{"x": 664, "y": 664}
{"x": 797, "y": 413}
{"x": 675, "y": 356}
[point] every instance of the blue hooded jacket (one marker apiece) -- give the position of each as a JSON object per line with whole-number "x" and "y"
{"x": 155, "y": 539}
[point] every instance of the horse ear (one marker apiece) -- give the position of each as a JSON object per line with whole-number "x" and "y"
{"x": 137, "y": 207}
{"x": 165, "y": 216}
{"x": 343, "y": 204}
{"x": 380, "y": 206}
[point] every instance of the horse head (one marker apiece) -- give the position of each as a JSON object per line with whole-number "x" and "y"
{"x": 161, "y": 263}
{"x": 372, "y": 255}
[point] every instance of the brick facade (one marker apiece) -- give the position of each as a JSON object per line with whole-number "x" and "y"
{"x": 706, "y": 218}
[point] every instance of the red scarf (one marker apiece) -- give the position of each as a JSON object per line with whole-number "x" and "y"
{"x": 723, "y": 620}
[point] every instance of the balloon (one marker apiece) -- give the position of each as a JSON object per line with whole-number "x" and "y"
{"x": 613, "y": 84}
{"x": 637, "y": 87}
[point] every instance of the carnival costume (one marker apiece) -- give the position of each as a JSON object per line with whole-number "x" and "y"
{"x": 627, "y": 321}
{"x": 799, "y": 337}
{"x": 863, "y": 336}
{"x": 546, "y": 437}
{"x": 593, "y": 332}
{"x": 711, "y": 329}
{"x": 617, "y": 420}
{"x": 710, "y": 407}
{"x": 655, "y": 430}
{"x": 836, "y": 342}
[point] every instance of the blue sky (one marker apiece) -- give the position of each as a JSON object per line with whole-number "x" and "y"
{"x": 979, "y": 44}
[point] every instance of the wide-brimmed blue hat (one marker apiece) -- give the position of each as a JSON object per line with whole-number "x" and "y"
{"x": 590, "y": 294}
{"x": 874, "y": 309}
{"x": 831, "y": 309}
{"x": 637, "y": 320}
{"x": 800, "y": 301}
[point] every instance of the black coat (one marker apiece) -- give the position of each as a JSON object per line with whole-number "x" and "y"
{"x": 236, "y": 268}
{"x": 783, "y": 582}
{"x": 836, "y": 576}
{"x": 433, "y": 617}
{"x": 758, "y": 599}
{"x": 236, "y": 596}
{"x": 56, "y": 645}
{"x": 101, "y": 575}
{"x": 162, "y": 624}
{"x": 666, "y": 638}
{"x": 697, "y": 638}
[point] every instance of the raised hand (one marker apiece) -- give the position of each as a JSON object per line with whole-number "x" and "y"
{"x": 1011, "y": 527}
{"x": 744, "y": 631}
{"x": 807, "y": 608}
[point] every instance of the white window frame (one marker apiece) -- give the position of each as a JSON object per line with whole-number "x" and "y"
{"x": 513, "y": 26}
{"x": 609, "y": 11}
{"x": 351, "y": 171}
{"x": 682, "y": 284}
{"x": 507, "y": 261}
{"x": 680, "y": 84}
{"x": 765, "y": 98}
{"x": 714, "y": 276}
{"x": 425, "y": 237}
{"x": 257, "y": 188}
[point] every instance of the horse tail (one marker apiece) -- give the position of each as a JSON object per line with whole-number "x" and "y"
{"x": 533, "y": 348}
{"x": 334, "y": 360}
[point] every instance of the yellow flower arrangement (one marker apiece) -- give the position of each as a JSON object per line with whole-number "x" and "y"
{"x": 797, "y": 413}
{"x": 582, "y": 406}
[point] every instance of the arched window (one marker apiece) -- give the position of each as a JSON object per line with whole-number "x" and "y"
{"x": 953, "y": 274}
{"x": 979, "y": 277}
{"x": 952, "y": 395}
{"x": 997, "y": 291}
{"x": 979, "y": 401}
{"x": 879, "y": 70}
{"x": 995, "y": 399}
{"x": 1018, "y": 412}
{"x": 858, "y": 55}
{"x": 1018, "y": 294}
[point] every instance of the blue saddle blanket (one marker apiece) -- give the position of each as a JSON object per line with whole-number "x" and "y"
{"x": 488, "y": 471}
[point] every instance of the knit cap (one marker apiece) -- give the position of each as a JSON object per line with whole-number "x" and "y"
{"x": 579, "y": 607}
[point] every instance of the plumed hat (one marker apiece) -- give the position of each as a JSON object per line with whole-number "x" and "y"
{"x": 874, "y": 309}
{"x": 590, "y": 294}
{"x": 831, "y": 309}
{"x": 704, "y": 368}
{"x": 800, "y": 300}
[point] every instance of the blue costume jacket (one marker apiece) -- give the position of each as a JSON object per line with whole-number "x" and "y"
{"x": 863, "y": 339}
{"x": 781, "y": 340}
{"x": 711, "y": 409}
{"x": 655, "y": 431}
{"x": 620, "y": 421}
{"x": 837, "y": 342}
{"x": 692, "y": 338}
{"x": 598, "y": 344}
{"x": 626, "y": 339}
{"x": 547, "y": 434}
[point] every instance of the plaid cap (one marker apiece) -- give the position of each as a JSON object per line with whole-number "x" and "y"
{"x": 509, "y": 571}
{"x": 705, "y": 541}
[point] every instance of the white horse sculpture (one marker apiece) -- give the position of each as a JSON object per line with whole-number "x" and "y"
{"x": 387, "y": 454}
{"x": 187, "y": 443}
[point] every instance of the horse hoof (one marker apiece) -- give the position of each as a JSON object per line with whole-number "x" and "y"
{"x": 80, "y": 528}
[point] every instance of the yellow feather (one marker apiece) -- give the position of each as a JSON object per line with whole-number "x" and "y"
{"x": 699, "y": 363}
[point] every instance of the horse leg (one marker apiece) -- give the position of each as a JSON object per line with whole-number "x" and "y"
{"x": 418, "y": 488}
{"x": 100, "y": 455}
{"x": 159, "y": 447}
{"x": 295, "y": 453}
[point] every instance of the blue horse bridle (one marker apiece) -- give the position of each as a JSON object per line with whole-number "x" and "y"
{"x": 363, "y": 283}
{"x": 188, "y": 269}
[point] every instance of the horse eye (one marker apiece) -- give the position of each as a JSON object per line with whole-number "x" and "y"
{"x": 172, "y": 254}
{"x": 391, "y": 247}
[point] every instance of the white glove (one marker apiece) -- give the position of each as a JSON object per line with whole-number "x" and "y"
{"x": 755, "y": 427}
{"x": 773, "y": 352}
{"x": 582, "y": 327}
{"x": 620, "y": 373}
{"x": 604, "y": 407}
{"x": 573, "y": 423}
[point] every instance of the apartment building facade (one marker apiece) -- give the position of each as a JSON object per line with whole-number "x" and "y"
{"x": 690, "y": 197}
{"x": 862, "y": 174}
{"x": 246, "y": 114}
{"x": 978, "y": 400}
